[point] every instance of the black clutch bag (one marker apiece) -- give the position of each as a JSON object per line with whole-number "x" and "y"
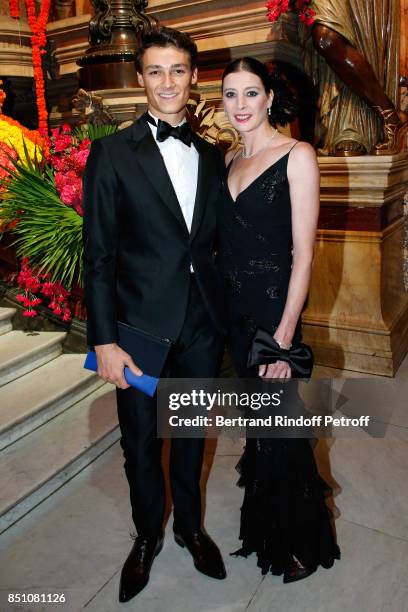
{"x": 265, "y": 349}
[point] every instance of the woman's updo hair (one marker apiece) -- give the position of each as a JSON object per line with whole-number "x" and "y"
{"x": 284, "y": 106}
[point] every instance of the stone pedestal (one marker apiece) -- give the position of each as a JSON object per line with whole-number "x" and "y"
{"x": 357, "y": 313}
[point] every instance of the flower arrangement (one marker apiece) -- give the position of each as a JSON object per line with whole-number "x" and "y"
{"x": 41, "y": 189}
{"x": 6, "y": 152}
{"x": 277, "y": 8}
{"x": 49, "y": 231}
{"x": 31, "y": 282}
{"x": 13, "y": 134}
{"x": 68, "y": 158}
{"x": 15, "y": 141}
{"x": 38, "y": 25}
{"x": 16, "y": 136}
{"x": 42, "y": 207}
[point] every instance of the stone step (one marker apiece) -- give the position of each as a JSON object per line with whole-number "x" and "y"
{"x": 21, "y": 352}
{"x": 6, "y": 314}
{"x": 41, "y": 462}
{"x": 40, "y": 395}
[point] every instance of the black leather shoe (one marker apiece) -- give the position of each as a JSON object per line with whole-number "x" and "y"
{"x": 136, "y": 570}
{"x": 206, "y": 555}
{"x": 296, "y": 572}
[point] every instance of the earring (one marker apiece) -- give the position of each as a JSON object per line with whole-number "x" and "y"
{"x": 269, "y": 111}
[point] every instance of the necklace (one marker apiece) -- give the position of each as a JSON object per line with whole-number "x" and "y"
{"x": 259, "y": 150}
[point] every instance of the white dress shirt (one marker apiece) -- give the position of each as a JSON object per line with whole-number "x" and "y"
{"x": 181, "y": 163}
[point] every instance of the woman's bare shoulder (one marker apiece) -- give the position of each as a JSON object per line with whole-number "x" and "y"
{"x": 302, "y": 156}
{"x": 301, "y": 149}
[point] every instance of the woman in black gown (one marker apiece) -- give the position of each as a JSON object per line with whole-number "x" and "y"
{"x": 268, "y": 216}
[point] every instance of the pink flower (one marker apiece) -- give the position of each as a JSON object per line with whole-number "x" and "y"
{"x": 80, "y": 156}
{"x": 69, "y": 186}
{"x": 67, "y": 315}
{"x": 28, "y": 282}
{"x": 35, "y": 302}
{"x": 32, "y": 284}
{"x": 59, "y": 163}
{"x": 71, "y": 194}
{"x": 29, "y": 313}
{"x": 48, "y": 289}
{"x": 62, "y": 142}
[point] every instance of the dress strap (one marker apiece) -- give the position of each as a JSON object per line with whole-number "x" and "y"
{"x": 232, "y": 159}
{"x": 297, "y": 142}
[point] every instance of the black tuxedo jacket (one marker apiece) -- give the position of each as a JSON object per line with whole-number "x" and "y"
{"x": 137, "y": 248}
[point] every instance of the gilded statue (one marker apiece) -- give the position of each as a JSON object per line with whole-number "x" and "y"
{"x": 352, "y": 54}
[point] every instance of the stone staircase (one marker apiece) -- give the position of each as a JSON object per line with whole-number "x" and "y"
{"x": 55, "y": 417}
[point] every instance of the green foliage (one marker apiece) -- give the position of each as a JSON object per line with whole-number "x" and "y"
{"x": 48, "y": 232}
{"x": 93, "y": 132}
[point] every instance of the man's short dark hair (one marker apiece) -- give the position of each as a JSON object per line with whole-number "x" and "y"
{"x": 164, "y": 37}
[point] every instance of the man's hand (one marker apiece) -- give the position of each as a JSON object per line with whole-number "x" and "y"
{"x": 111, "y": 364}
{"x": 279, "y": 369}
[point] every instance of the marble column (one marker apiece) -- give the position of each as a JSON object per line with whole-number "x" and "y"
{"x": 357, "y": 313}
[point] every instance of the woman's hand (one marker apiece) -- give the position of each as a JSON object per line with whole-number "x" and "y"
{"x": 279, "y": 369}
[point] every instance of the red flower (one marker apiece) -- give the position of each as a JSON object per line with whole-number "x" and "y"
{"x": 68, "y": 159}
{"x": 69, "y": 186}
{"x": 62, "y": 142}
{"x": 48, "y": 289}
{"x": 307, "y": 16}
{"x": 276, "y": 8}
{"x": 80, "y": 156}
{"x": 35, "y": 302}
{"x": 29, "y": 313}
{"x": 67, "y": 315}
{"x": 31, "y": 281}
{"x": 85, "y": 144}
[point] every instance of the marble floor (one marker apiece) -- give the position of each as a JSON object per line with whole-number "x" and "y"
{"x": 75, "y": 542}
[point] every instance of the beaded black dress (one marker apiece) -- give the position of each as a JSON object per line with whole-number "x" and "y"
{"x": 284, "y": 515}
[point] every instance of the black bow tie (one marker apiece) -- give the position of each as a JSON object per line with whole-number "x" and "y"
{"x": 164, "y": 130}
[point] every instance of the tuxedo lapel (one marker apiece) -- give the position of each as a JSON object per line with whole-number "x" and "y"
{"x": 203, "y": 183}
{"x": 152, "y": 165}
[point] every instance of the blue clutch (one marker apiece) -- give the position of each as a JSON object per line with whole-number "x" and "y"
{"x": 147, "y": 351}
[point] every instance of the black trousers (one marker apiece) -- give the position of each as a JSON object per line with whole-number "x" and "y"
{"x": 196, "y": 354}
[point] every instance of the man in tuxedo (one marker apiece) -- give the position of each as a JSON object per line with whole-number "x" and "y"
{"x": 150, "y": 193}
